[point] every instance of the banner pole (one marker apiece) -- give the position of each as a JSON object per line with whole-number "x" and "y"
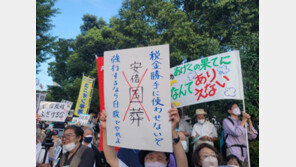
{"x": 246, "y": 129}
{"x": 244, "y": 110}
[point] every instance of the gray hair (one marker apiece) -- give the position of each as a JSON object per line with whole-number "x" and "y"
{"x": 88, "y": 128}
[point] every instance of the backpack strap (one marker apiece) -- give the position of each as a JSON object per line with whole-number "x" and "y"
{"x": 230, "y": 120}
{"x": 226, "y": 136}
{"x": 241, "y": 147}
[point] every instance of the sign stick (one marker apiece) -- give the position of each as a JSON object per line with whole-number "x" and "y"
{"x": 244, "y": 110}
{"x": 248, "y": 152}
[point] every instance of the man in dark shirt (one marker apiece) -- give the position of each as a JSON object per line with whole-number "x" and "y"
{"x": 77, "y": 155}
{"x": 100, "y": 160}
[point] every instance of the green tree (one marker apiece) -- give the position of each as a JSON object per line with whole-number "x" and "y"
{"x": 90, "y": 21}
{"x": 44, "y": 41}
{"x": 61, "y": 51}
{"x": 192, "y": 28}
{"x": 235, "y": 24}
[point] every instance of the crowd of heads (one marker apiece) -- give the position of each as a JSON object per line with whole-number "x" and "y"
{"x": 203, "y": 155}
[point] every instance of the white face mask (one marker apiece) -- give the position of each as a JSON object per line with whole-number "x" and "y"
{"x": 210, "y": 162}
{"x": 64, "y": 151}
{"x": 69, "y": 147}
{"x": 201, "y": 121}
{"x": 154, "y": 164}
{"x": 232, "y": 165}
{"x": 236, "y": 111}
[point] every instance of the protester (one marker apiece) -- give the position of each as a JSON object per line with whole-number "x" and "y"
{"x": 92, "y": 119}
{"x": 77, "y": 155}
{"x": 185, "y": 128}
{"x": 235, "y": 133}
{"x": 153, "y": 158}
{"x": 233, "y": 161}
{"x": 88, "y": 137}
{"x": 203, "y": 131}
{"x": 131, "y": 157}
{"x": 206, "y": 155}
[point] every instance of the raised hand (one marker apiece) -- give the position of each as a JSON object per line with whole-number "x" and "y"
{"x": 103, "y": 119}
{"x": 174, "y": 117}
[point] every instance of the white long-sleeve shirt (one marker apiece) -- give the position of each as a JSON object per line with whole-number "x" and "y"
{"x": 205, "y": 129}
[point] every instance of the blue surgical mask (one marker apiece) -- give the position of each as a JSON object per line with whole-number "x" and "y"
{"x": 88, "y": 139}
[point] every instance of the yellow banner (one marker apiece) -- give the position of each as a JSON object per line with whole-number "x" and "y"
{"x": 84, "y": 96}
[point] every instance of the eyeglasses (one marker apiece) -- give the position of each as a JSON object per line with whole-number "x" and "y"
{"x": 68, "y": 136}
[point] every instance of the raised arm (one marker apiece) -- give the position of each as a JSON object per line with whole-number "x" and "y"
{"x": 109, "y": 151}
{"x": 180, "y": 155}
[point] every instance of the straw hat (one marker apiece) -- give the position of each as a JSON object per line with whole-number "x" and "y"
{"x": 200, "y": 112}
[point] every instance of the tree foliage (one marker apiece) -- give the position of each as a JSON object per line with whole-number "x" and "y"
{"x": 194, "y": 29}
{"x": 44, "y": 41}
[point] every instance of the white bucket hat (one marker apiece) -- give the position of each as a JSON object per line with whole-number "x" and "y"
{"x": 200, "y": 112}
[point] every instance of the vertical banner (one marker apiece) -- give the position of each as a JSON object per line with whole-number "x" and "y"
{"x": 138, "y": 98}
{"x": 211, "y": 78}
{"x": 83, "y": 100}
{"x": 100, "y": 68}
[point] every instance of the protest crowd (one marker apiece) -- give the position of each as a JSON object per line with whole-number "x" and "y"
{"x": 61, "y": 144}
{"x": 162, "y": 84}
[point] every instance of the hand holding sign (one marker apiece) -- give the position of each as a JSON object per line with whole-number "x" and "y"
{"x": 246, "y": 115}
{"x": 103, "y": 119}
{"x": 174, "y": 117}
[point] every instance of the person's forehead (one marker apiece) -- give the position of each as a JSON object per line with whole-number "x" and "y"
{"x": 87, "y": 131}
{"x": 233, "y": 160}
{"x": 206, "y": 150}
{"x": 68, "y": 131}
{"x": 156, "y": 154}
{"x": 234, "y": 105}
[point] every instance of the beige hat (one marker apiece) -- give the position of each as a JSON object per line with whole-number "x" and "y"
{"x": 200, "y": 112}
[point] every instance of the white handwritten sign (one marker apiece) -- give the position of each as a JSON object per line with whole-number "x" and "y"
{"x": 138, "y": 98}
{"x": 83, "y": 119}
{"x": 207, "y": 79}
{"x": 53, "y": 111}
{"x": 69, "y": 103}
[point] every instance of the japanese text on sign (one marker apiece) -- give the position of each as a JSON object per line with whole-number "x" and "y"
{"x": 137, "y": 107}
{"x": 207, "y": 79}
{"x": 53, "y": 111}
{"x": 84, "y": 96}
